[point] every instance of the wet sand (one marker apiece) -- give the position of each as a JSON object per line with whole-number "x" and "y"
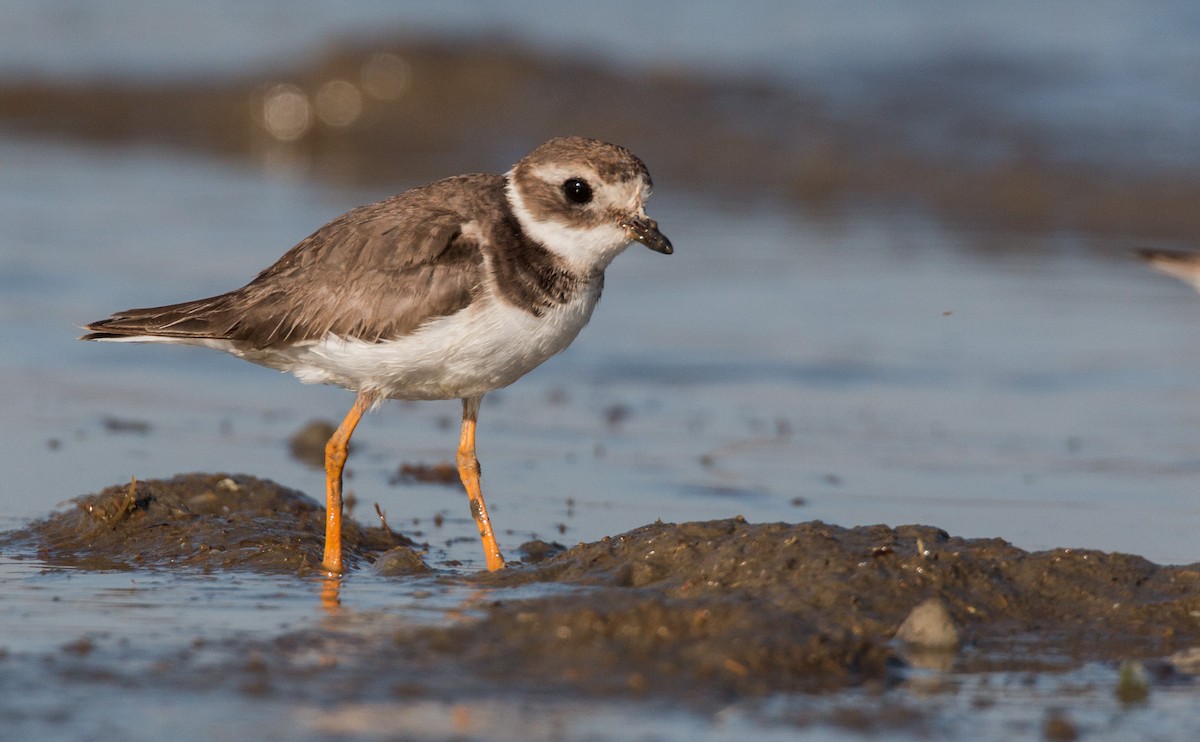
{"x": 686, "y": 614}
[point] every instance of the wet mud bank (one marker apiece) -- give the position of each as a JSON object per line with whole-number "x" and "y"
{"x": 758, "y": 608}
{"x": 693, "y": 611}
{"x": 202, "y": 521}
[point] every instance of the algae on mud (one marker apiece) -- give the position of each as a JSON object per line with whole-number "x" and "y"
{"x": 711, "y": 610}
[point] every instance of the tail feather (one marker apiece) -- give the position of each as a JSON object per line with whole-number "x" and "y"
{"x": 196, "y": 320}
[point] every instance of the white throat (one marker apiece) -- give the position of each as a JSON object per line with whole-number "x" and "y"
{"x": 585, "y": 249}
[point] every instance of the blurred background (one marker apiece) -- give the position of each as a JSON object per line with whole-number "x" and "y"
{"x": 902, "y": 290}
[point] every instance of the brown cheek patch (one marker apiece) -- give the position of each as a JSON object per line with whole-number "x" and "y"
{"x": 545, "y": 202}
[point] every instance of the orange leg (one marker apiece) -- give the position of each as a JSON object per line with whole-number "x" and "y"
{"x": 468, "y": 470}
{"x": 335, "y": 459}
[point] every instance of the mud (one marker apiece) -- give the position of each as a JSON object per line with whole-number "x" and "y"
{"x": 754, "y": 608}
{"x": 204, "y": 521}
{"x": 443, "y": 473}
{"x": 691, "y": 612}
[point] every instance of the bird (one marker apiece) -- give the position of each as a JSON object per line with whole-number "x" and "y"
{"x": 1181, "y": 264}
{"x": 449, "y": 290}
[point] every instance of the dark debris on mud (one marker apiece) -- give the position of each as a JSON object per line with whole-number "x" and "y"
{"x": 721, "y": 609}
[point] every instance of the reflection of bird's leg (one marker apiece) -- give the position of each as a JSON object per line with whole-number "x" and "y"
{"x": 468, "y": 470}
{"x": 331, "y": 593}
{"x": 335, "y": 459}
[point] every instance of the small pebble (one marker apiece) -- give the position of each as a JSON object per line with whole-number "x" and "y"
{"x": 1186, "y": 660}
{"x": 929, "y": 626}
{"x": 398, "y": 562}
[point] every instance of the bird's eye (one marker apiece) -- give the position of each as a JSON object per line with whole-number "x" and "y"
{"x": 577, "y": 191}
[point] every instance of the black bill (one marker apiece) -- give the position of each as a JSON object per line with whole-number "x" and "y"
{"x": 645, "y": 231}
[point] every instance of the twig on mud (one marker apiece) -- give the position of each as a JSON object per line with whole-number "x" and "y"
{"x": 383, "y": 519}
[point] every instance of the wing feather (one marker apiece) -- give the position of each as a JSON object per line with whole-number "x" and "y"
{"x": 379, "y": 271}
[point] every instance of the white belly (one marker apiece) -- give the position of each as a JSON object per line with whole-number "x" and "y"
{"x": 486, "y": 346}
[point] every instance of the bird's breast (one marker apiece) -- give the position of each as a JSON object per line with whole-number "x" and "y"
{"x": 485, "y": 346}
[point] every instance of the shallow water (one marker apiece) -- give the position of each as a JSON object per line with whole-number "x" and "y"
{"x": 1098, "y": 82}
{"x": 862, "y": 365}
{"x": 868, "y": 364}
{"x": 856, "y": 368}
